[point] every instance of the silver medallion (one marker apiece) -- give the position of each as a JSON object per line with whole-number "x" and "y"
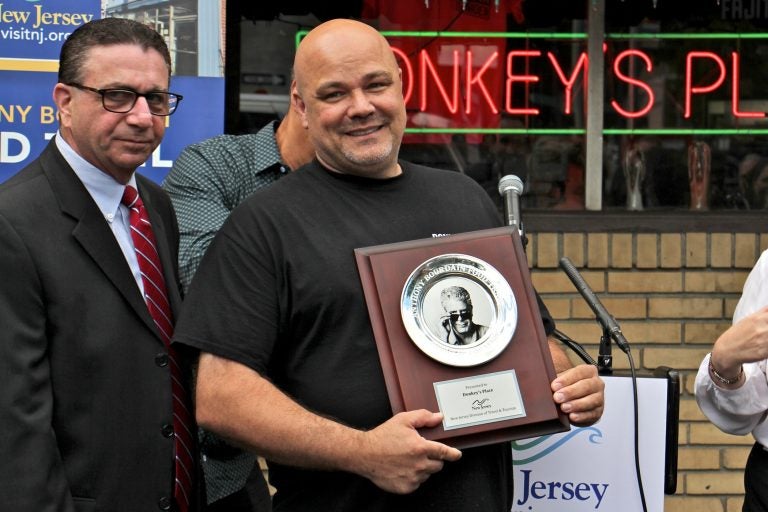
{"x": 458, "y": 310}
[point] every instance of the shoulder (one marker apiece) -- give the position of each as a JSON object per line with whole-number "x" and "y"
{"x": 232, "y": 160}
{"x": 762, "y": 263}
{"x": 442, "y": 176}
{"x": 247, "y": 147}
{"x": 220, "y": 153}
{"x": 293, "y": 189}
{"x": 447, "y": 183}
{"x": 754, "y": 295}
{"x": 758, "y": 276}
{"x": 278, "y": 194}
{"x": 23, "y": 183}
{"x": 27, "y": 187}
{"x": 220, "y": 144}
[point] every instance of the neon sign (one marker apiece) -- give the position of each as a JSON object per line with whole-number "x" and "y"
{"x": 463, "y": 82}
{"x": 454, "y": 91}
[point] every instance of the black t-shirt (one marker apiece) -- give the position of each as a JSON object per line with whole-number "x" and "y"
{"x": 279, "y": 291}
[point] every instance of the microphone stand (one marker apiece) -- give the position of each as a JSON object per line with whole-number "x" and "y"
{"x": 604, "y": 356}
{"x": 611, "y": 332}
{"x": 523, "y": 237}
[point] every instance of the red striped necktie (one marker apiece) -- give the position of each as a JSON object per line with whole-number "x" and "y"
{"x": 157, "y": 302}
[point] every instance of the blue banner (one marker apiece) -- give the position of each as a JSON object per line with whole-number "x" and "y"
{"x": 31, "y": 35}
{"x": 35, "y": 29}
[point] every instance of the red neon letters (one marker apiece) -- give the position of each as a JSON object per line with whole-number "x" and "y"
{"x": 464, "y": 82}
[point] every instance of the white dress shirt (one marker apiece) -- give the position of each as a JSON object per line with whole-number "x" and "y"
{"x": 743, "y": 410}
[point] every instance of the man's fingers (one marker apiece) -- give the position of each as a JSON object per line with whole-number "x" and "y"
{"x": 586, "y": 418}
{"x": 424, "y": 418}
{"x": 443, "y": 452}
{"x": 579, "y": 392}
{"x": 573, "y": 375}
{"x": 435, "y": 450}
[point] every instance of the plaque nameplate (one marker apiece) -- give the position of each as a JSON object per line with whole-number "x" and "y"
{"x": 480, "y": 399}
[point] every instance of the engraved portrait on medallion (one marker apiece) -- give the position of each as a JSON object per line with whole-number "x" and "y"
{"x": 458, "y": 310}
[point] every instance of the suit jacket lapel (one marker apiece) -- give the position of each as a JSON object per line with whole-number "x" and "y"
{"x": 92, "y": 231}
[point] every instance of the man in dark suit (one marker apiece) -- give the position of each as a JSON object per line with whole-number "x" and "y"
{"x": 92, "y": 400}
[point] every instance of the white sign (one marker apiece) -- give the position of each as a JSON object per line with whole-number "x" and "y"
{"x": 593, "y": 468}
{"x": 479, "y": 399}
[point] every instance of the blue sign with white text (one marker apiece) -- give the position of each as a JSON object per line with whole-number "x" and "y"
{"x": 35, "y": 29}
{"x": 31, "y": 35}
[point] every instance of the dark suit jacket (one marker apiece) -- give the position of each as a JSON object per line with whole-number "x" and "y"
{"x": 84, "y": 382}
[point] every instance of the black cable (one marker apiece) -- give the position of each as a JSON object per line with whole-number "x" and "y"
{"x": 637, "y": 431}
{"x": 582, "y": 353}
{"x": 573, "y": 345}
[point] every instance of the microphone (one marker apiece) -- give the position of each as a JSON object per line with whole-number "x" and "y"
{"x": 510, "y": 188}
{"x": 605, "y": 319}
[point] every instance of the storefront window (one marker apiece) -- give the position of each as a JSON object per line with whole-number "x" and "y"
{"x": 496, "y": 87}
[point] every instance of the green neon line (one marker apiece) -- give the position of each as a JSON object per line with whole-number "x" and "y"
{"x": 494, "y": 35}
{"x": 563, "y": 35}
{"x": 685, "y": 131}
{"x": 582, "y": 131}
{"x": 714, "y": 35}
{"x": 578, "y": 35}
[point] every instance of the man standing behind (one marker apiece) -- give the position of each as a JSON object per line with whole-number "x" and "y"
{"x": 211, "y": 178}
{"x": 94, "y": 411}
{"x": 289, "y": 365}
{"x": 208, "y": 180}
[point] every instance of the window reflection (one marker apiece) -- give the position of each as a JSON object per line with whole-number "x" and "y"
{"x": 488, "y": 106}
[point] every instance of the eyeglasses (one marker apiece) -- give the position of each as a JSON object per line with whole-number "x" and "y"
{"x": 121, "y": 101}
{"x": 464, "y": 314}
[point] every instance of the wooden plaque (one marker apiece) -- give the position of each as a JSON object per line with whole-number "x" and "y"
{"x": 502, "y": 392}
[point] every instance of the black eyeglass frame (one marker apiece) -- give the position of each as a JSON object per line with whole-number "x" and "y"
{"x": 136, "y": 95}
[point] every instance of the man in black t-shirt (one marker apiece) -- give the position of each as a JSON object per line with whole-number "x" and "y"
{"x": 289, "y": 365}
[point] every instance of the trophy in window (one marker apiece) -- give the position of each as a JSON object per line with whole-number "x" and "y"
{"x": 634, "y": 174}
{"x": 699, "y": 164}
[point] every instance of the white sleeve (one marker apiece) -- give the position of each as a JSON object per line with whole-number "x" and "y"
{"x": 735, "y": 411}
{"x": 739, "y": 411}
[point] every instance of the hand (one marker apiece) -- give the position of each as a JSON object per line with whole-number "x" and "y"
{"x": 746, "y": 341}
{"x": 450, "y": 334}
{"x": 446, "y": 323}
{"x": 579, "y": 393}
{"x": 397, "y": 459}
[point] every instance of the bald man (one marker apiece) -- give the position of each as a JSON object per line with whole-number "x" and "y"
{"x": 289, "y": 365}
{"x": 208, "y": 180}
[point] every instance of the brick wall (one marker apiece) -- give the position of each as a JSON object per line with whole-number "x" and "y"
{"x": 673, "y": 294}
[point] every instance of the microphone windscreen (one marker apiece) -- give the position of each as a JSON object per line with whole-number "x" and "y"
{"x": 510, "y": 182}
